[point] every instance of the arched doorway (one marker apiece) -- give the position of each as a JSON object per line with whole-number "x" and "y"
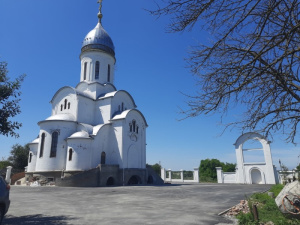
{"x": 134, "y": 180}
{"x": 103, "y": 157}
{"x": 110, "y": 181}
{"x": 256, "y": 176}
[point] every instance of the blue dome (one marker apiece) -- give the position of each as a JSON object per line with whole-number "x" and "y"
{"x": 98, "y": 38}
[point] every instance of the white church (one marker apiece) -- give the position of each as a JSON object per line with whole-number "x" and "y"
{"x": 95, "y": 136}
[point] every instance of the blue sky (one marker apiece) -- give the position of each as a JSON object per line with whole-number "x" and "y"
{"x": 43, "y": 40}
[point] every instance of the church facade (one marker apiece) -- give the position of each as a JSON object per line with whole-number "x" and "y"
{"x": 93, "y": 125}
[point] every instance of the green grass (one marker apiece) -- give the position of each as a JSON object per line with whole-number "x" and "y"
{"x": 267, "y": 210}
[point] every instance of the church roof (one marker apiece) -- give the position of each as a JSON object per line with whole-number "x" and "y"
{"x": 98, "y": 39}
{"x": 124, "y": 114}
{"x": 63, "y": 116}
{"x": 35, "y": 141}
{"x": 114, "y": 93}
{"x": 80, "y": 134}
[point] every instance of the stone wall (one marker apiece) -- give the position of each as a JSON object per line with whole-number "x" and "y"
{"x": 89, "y": 178}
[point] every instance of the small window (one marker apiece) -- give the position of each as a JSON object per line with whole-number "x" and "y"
{"x": 97, "y": 68}
{"x": 119, "y": 108}
{"x": 69, "y": 105}
{"x": 130, "y": 127}
{"x": 54, "y": 144}
{"x": 137, "y": 129}
{"x": 103, "y": 157}
{"x": 30, "y": 157}
{"x": 65, "y": 103}
{"x": 108, "y": 73}
{"x": 84, "y": 72}
{"x": 42, "y": 145}
{"x": 133, "y": 125}
{"x": 70, "y": 154}
{"x": 61, "y": 107}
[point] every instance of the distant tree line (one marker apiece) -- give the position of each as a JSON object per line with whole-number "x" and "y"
{"x": 18, "y": 158}
{"x": 208, "y": 172}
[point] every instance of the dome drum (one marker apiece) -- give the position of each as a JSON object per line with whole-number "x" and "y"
{"x": 96, "y": 47}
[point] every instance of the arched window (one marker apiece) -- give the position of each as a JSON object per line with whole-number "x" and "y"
{"x": 42, "y": 145}
{"x": 103, "y": 156}
{"x": 54, "y": 144}
{"x": 65, "y": 103}
{"x": 30, "y": 157}
{"x": 108, "y": 73}
{"x": 130, "y": 126}
{"x": 84, "y": 71}
{"x": 61, "y": 107}
{"x": 137, "y": 129}
{"x": 133, "y": 125}
{"x": 97, "y": 68}
{"x": 70, "y": 154}
{"x": 69, "y": 105}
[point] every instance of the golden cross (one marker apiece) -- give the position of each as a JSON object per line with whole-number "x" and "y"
{"x": 100, "y": 6}
{"x": 100, "y": 9}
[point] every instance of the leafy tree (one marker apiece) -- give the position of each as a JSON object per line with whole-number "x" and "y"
{"x": 207, "y": 169}
{"x": 228, "y": 167}
{"x": 157, "y": 168}
{"x": 4, "y": 164}
{"x": 253, "y": 59}
{"x": 19, "y": 156}
{"x": 9, "y": 102}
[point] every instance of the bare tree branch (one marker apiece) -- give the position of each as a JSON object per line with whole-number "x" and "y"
{"x": 254, "y": 59}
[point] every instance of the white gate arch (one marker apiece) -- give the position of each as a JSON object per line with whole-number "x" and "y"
{"x": 244, "y": 169}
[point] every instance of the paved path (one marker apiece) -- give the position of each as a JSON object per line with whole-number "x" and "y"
{"x": 134, "y": 205}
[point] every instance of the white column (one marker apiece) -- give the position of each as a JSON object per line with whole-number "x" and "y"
{"x": 163, "y": 174}
{"x": 196, "y": 175}
{"x": 8, "y": 174}
{"x": 170, "y": 174}
{"x": 219, "y": 174}
{"x": 181, "y": 175}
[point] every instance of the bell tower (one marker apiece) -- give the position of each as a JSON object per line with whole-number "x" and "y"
{"x": 97, "y": 55}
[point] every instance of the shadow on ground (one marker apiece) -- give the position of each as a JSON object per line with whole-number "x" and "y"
{"x": 37, "y": 219}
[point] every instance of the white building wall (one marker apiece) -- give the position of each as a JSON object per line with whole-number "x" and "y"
{"x": 229, "y": 178}
{"x": 102, "y": 111}
{"x": 82, "y": 154}
{"x": 105, "y": 141}
{"x": 121, "y": 98}
{"x": 33, "y": 150}
{"x": 58, "y": 101}
{"x": 65, "y": 129}
{"x": 118, "y": 131}
{"x": 134, "y": 144}
{"x": 86, "y": 109}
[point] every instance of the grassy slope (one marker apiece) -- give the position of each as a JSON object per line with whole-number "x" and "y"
{"x": 267, "y": 209}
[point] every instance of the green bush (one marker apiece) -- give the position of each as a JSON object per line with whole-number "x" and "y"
{"x": 267, "y": 209}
